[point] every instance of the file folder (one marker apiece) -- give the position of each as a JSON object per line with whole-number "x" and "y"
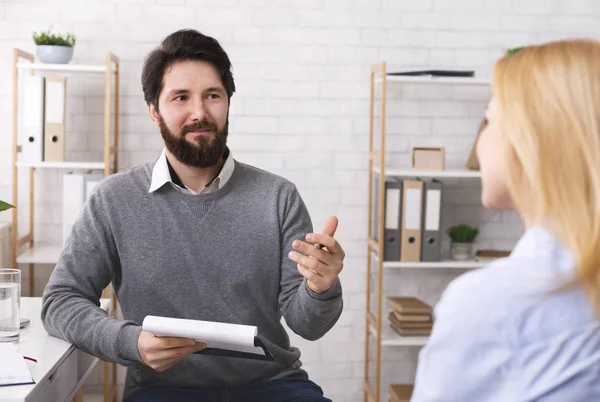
{"x": 393, "y": 214}
{"x": 54, "y": 129}
{"x": 431, "y": 250}
{"x": 412, "y": 201}
{"x": 32, "y": 137}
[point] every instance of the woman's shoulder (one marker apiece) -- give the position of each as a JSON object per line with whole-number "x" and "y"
{"x": 492, "y": 284}
{"x": 525, "y": 295}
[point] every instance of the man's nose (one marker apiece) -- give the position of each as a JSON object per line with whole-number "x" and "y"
{"x": 198, "y": 110}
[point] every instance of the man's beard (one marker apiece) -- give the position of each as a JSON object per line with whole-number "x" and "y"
{"x": 206, "y": 151}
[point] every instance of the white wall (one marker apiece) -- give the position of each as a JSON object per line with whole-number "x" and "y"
{"x": 301, "y": 110}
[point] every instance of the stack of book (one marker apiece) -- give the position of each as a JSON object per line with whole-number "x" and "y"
{"x": 410, "y": 316}
{"x": 401, "y": 392}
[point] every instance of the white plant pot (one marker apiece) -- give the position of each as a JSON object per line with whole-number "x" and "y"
{"x": 462, "y": 251}
{"x": 54, "y": 54}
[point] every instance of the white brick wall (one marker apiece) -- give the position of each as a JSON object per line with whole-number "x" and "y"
{"x": 301, "y": 110}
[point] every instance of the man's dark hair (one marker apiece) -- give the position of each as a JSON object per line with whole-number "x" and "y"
{"x": 185, "y": 44}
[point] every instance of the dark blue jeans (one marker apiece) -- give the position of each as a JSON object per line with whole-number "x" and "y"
{"x": 291, "y": 389}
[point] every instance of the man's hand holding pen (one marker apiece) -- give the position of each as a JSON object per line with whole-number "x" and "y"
{"x": 321, "y": 258}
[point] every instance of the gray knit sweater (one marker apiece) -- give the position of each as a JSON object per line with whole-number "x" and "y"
{"x": 217, "y": 257}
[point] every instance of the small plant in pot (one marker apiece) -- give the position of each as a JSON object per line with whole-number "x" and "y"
{"x": 463, "y": 237}
{"x": 54, "y": 48}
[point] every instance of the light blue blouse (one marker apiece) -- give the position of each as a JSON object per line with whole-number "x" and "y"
{"x": 500, "y": 334}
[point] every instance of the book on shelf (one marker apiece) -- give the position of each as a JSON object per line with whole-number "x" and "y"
{"x": 411, "y": 317}
{"x": 410, "y": 328}
{"x": 409, "y": 305}
{"x": 411, "y": 331}
{"x": 410, "y": 325}
{"x": 489, "y": 255}
{"x": 401, "y": 392}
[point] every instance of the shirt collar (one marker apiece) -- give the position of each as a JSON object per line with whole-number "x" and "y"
{"x": 540, "y": 245}
{"x": 161, "y": 174}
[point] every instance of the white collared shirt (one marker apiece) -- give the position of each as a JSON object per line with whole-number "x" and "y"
{"x": 503, "y": 333}
{"x": 161, "y": 175}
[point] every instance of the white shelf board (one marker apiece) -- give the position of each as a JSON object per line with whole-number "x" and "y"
{"x": 40, "y": 254}
{"x": 452, "y": 173}
{"x": 470, "y": 264}
{"x": 428, "y": 79}
{"x": 391, "y": 338}
{"x": 66, "y": 68}
{"x": 63, "y": 165}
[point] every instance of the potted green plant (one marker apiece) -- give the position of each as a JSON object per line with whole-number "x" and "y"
{"x": 54, "y": 48}
{"x": 5, "y": 205}
{"x": 462, "y": 236}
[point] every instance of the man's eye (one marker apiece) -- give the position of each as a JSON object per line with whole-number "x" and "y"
{"x": 180, "y": 98}
{"x": 213, "y": 96}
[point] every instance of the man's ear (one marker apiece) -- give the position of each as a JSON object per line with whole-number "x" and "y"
{"x": 153, "y": 113}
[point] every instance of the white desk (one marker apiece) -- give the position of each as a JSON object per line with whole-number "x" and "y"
{"x": 61, "y": 368}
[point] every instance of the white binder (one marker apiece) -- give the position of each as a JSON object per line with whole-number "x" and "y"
{"x": 32, "y": 128}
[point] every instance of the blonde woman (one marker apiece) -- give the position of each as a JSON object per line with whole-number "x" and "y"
{"x": 525, "y": 328}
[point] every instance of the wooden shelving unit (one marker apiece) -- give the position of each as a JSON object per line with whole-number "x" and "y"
{"x": 441, "y": 174}
{"x": 64, "y": 165}
{"x": 25, "y": 250}
{"x": 390, "y": 338}
{"x": 374, "y": 328}
{"x": 434, "y": 265}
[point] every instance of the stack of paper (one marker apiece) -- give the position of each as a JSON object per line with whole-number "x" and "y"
{"x": 13, "y": 369}
{"x": 221, "y": 339}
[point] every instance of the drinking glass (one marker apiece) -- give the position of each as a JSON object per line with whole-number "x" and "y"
{"x": 10, "y": 301}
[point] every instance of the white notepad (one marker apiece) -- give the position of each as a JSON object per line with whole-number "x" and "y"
{"x": 13, "y": 369}
{"x": 221, "y": 339}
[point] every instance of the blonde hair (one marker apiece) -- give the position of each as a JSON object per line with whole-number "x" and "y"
{"x": 549, "y": 97}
